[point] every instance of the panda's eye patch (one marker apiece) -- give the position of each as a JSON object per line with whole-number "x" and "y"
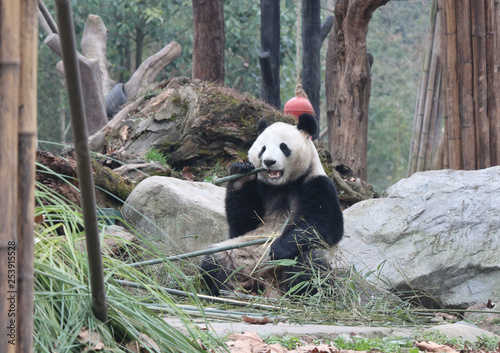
{"x": 262, "y": 151}
{"x": 284, "y": 148}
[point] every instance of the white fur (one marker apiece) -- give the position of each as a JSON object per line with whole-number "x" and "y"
{"x": 304, "y": 156}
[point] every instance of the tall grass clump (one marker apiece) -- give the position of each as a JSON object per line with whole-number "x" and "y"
{"x": 63, "y": 320}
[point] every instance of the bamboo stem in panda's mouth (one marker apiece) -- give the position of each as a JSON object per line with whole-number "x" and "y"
{"x": 238, "y": 176}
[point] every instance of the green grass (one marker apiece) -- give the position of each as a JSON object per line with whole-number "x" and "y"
{"x": 155, "y": 155}
{"x": 63, "y": 300}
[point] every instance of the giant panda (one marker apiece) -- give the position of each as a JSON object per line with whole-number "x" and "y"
{"x": 294, "y": 187}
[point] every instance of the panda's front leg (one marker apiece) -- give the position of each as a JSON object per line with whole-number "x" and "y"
{"x": 243, "y": 203}
{"x": 287, "y": 245}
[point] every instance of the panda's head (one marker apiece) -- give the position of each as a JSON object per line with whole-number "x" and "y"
{"x": 286, "y": 151}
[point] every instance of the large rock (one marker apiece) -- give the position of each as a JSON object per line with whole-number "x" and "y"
{"x": 436, "y": 232}
{"x": 182, "y": 215}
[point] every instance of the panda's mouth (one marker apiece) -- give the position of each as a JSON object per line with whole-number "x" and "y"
{"x": 274, "y": 174}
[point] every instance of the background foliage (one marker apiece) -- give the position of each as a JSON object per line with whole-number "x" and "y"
{"x": 395, "y": 40}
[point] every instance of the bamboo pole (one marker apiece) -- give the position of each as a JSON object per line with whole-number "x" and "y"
{"x": 446, "y": 142}
{"x": 238, "y": 176}
{"x": 465, "y": 79}
{"x": 490, "y": 69}
{"x": 495, "y": 120}
{"x": 26, "y": 176}
{"x": 419, "y": 110}
{"x": 429, "y": 94}
{"x": 451, "y": 87}
{"x": 434, "y": 119}
{"x": 200, "y": 253}
{"x": 438, "y": 140}
{"x": 10, "y": 28}
{"x": 480, "y": 84}
{"x": 85, "y": 178}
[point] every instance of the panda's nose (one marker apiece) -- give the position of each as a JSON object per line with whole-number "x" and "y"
{"x": 269, "y": 162}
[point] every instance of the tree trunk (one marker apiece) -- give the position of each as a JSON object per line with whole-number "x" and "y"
{"x": 348, "y": 83}
{"x": 139, "y": 43}
{"x": 311, "y": 44}
{"x": 208, "y": 40}
{"x": 270, "y": 52}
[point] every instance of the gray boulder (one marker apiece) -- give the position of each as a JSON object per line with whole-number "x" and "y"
{"x": 181, "y": 215}
{"x": 436, "y": 233}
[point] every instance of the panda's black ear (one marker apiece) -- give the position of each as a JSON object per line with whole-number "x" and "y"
{"x": 308, "y": 123}
{"x": 262, "y": 126}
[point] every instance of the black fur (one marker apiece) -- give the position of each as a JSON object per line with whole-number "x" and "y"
{"x": 319, "y": 212}
{"x": 285, "y": 149}
{"x": 262, "y": 126}
{"x": 308, "y": 123}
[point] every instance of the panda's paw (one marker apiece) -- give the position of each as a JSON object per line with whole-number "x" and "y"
{"x": 280, "y": 251}
{"x": 237, "y": 168}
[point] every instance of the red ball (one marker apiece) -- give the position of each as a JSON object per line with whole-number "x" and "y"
{"x": 298, "y": 105}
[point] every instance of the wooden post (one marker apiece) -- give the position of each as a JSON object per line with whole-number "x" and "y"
{"x": 26, "y": 176}
{"x": 10, "y": 36}
{"x": 270, "y": 42}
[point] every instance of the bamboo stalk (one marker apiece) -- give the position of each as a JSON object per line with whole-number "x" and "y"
{"x": 452, "y": 93}
{"x": 26, "y": 176}
{"x": 238, "y": 176}
{"x": 10, "y": 28}
{"x": 429, "y": 94}
{"x": 200, "y": 296}
{"x": 262, "y": 240}
{"x": 437, "y": 145}
{"x": 480, "y": 84}
{"x": 465, "y": 80}
{"x": 490, "y": 19}
{"x": 434, "y": 118}
{"x": 78, "y": 122}
{"x": 446, "y": 142}
{"x": 419, "y": 110}
{"x": 199, "y": 253}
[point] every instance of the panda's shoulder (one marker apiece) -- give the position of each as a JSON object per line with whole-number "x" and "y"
{"x": 318, "y": 183}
